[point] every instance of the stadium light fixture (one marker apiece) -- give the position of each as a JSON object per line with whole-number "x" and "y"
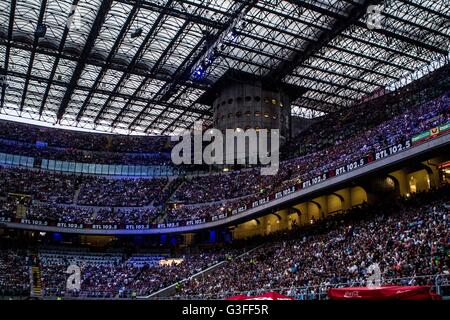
{"x": 40, "y": 31}
{"x": 136, "y": 33}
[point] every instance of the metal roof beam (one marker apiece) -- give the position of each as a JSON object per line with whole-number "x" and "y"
{"x": 414, "y": 42}
{"x": 359, "y": 67}
{"x": 427, "y": 9}
{"x": 241, "y": 11}
{"x": 93, "y": 34}
{"x": 120, "y": 37}
{"x": 55, "y": 64}
{"x": 324, "y": 39}
{"x": 295, "y": 50}
{"x": 333, "y": 94}
{"x": 359, "y": 54}
{"x": 400, "y": 37}
{"x": 33, "y": 53}
{"x": 409, "y": 22}
{"x": 337, "y": 74}
{"x": 160, "y": 91}
{"x": 95, "y": 62}
{"x": 242, "y": 60}
{"x": 107, "y": 93}
{"x": 393, "y": 50}
{"x": 318, "y": 104}
{"x": 4, "y": 81}
{"x": 137, "y": 56}
{"x": 338, "y": 85}
{"x": 337, "y": 16}
{"x": 163, "y": 56}
{"x": 400, "y": 19}
{"x": 181, "y": 14}
{"x": 362, "y": 24}
{"x": 173, "y": 120}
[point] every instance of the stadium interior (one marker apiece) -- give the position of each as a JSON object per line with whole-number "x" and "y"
{"x": 92, "y": 205}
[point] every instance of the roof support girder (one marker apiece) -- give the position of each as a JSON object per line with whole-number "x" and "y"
{"x": 55, "y": 64}
{"x": 137, "y": 56}
{"x": 107, "y": 93}
{"x": 33, "y": 53}
{"x": 123, "y": 31}
{"x": 93, "y": 34}
{"x": 7, "y": 53}
{"x": 95, "y": 62}
{"x": 243, "y": 8}
{"x": 324, "y": 39}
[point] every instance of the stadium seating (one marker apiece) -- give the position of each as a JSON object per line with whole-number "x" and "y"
{"x": 214, "y": 193}
{"x": 109, "y": 276}
{"x": 14, "y": 273}
{"x": 407, "y": 239}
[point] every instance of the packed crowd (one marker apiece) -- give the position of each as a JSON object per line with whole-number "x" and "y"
{"x": 180, "y": 213}
{"x": 99, "y": 191}
{"x": 77, "y": 140}
{"x": 157, "y": 158}
{"x": 82, "y": 215}
{"x": 43, "y": 186}
{"x": 337, "y": 139}
{"x": 103, "y": 275}
{"x": 249, "y": 183}
{"x": 14, "y": 273}
{"x": 216, "y": 187}
{"x": 7, "y": 208}
{"x": 92, "y": 190}
{"x": 66, "y": 145}
{"x": 407, "y": 239}
{"x": 110, "y": 276}
{"x": 215, "y": 193}
{"x": 341, "y": 125}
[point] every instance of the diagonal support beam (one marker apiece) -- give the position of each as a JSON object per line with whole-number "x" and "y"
{"x": 242, "y": 9}
{"x": 179, "y": 74}
{"x": 342, "y": 23}
{"x": 120, "y": 38}
{"x": 58, "y": 57}
{"x": 136, "y": 58}
{"x": 95, "y": 30}
{"x": 427, "y": 9}
{"x": 93, "y": 61}
{"x": 33, "y": 53}
{"x": 158, "y": 63}
{"x": 106, "y": 92}
{"x": 4, "y": 82}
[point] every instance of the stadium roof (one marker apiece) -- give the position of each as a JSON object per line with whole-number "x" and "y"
{"x": 140, "y": 66}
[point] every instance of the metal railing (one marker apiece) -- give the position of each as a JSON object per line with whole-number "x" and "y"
{"x": 440, "y": 284}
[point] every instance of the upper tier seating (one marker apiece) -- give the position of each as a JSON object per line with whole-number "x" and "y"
{"x": 408, "y": 239}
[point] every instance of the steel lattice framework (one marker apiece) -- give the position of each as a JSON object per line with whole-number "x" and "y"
{"x": 89, "y": 71}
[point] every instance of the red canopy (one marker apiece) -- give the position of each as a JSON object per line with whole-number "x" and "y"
{"x": 265, "y": 296}
{"x": 383, "y": 293}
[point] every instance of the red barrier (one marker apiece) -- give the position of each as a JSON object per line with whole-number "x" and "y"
{"x": 383, "y": 293}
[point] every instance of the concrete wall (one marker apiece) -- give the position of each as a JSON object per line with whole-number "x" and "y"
{"x": 418, "y": 181}
{"x": 358, "y": 195}
{"x": 401, "y": 177}
{"x": 315, "y": 209}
